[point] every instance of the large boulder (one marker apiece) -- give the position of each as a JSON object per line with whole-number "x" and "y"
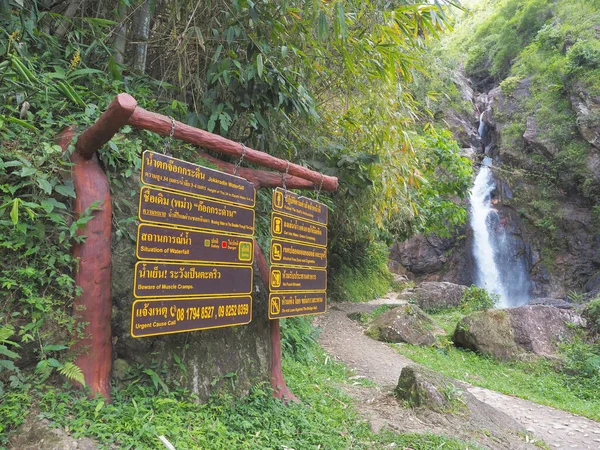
{"x": 37, "y": 434}
{"x": 438, "y": 294}
{"x": 421, "y": 387}
{"x": 422, "y": 254}
{"x": 405, "y": 324}
{"x": 513, "y": 333}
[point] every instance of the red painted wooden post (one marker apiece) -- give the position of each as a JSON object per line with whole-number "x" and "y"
{"x": 280, "y": 389}
{"x": 93, "y": 306}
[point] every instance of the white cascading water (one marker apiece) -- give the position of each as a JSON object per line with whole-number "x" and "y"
{"x": 500, "y": 265}
{"x": 487, "y": 272}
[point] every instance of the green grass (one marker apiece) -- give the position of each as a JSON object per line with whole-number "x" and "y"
{"x": 537, "y": 381}
{"x": 325, "y": 419}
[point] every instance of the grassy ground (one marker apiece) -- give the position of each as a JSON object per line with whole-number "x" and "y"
{"x": 326, "y": 418}
{"x": 538, "y": 381}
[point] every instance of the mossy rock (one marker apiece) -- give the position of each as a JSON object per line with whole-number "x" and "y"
{"x": 408, "y": 324}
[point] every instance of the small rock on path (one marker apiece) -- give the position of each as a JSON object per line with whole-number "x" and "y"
{"x": 345, "y": 339}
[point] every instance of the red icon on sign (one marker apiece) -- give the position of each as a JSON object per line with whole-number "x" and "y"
{"x": 224, "y": 244}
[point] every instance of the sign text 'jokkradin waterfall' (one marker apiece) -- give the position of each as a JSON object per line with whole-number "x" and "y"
{"x": 195, "y": 248}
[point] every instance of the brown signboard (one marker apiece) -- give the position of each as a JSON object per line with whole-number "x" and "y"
{"x": 170, "y": 173}
{"x": 282, "y": 278}
{"x": 302, "y": 231}
{"x": 176, "y": 244}
{"x": 165, "y": 316}
{"x": 294, "y": 254}
{"x": 159, "y": 279}
{"x": 188, "y": 211}
{"x": 295, "y": 205}
{"x": 294, "y": 304}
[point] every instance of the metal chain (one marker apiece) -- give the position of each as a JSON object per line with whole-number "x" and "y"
{"x": 170, "y": 138}
{"x": 320, "y": 186}
{"x": 237, "y": 164}
{"x": 283, "y": 177}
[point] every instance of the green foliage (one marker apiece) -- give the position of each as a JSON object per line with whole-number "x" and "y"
{"x": 499, "y": 38}
{"x": 326, "y": 418}
{"x": 363, "y": 276}
{"x": 508, "y": 85}
{"x": 540, "y": 381}
{"x": 477, "y": 299}
{"x": 298, "y": 338}
{"x": 583, "y": 55}
{"x": 591, "y": 312}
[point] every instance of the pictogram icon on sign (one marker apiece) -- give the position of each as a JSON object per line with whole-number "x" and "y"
{"x": 277, "y": 225}
{"x": 275, "y": 305}
{"x": 277, "y": 252}
{"x": 278, "y": 200}
{"x": 275, "y": 278}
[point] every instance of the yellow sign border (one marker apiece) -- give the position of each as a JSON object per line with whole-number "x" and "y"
{"x": 195, "y": 329}
{"x": 278, "y": 189}
{"x": 277, "y": 263}
{"x": 144, "y": 186}
{"x": 251, "y": 238}
{"x": 196, "y": 195}
{"x": 232, "y": 294}
{"x": 297, "y": 315}
{"x": 276, "y": 266}
{"x": 294, "y": 240}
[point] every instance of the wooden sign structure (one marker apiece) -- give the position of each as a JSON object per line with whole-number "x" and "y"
{"x": 297, "y": 277}
{"x": 196, "y": 248}
{"x": 93, "y": 307}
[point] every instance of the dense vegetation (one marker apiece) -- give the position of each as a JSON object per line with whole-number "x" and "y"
{"x": 322, "y": 84}
{"x": 543, "y": 56}
{"x": 149, "y": 402}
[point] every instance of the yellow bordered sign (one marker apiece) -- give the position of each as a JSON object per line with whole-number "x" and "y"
{"x": 293, "y": 229}
{"x": 290, "y": 253}
{"x": 294, "y": 304}
{"x": 158, "y": 242}
{"x": 185, "y": 210}
{"x": 296, "y": 279}
{"x": 297, "y": 206}
{"x": 170, "y": 280}
{"x": 177, "y": 175}
{"x": 153, "y": 317}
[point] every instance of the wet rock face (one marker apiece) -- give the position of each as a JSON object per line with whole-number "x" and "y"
{"x": 535, "y": 142}
{"x": 407, "y": 324}
{"x": 587, "y": 109}
{"x": 422, "y": 254}
{"x": 512, "y": 333}
{"x": 438, "y": 295}
{"x": 209, "y": 355}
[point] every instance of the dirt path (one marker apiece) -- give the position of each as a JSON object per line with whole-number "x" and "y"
{"x": 344, "y": 339}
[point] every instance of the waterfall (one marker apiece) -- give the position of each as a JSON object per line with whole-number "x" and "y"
{"x": 482, "y": 215}
{"x": 499, "y": 265}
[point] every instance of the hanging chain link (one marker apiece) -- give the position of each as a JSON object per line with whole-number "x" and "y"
{"x": 237, "y": 164}
{"x": 170, "y": 137}
{"x": 320, "y": 187}
{"x": 283, "y": 177}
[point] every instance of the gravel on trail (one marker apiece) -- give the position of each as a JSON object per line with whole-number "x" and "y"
{"x": 344, "y": 339}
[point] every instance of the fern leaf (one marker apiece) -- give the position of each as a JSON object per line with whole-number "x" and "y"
{"x": 72, "y": 372}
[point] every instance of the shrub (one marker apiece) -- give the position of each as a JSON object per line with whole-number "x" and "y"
{"x": 476, "y": 299}
{"x": 583, "y": 54}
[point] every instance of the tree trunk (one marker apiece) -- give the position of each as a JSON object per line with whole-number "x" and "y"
{"x": 70, "y": 12}
{"x": 121, "y": 34}
{"x": 141, "y": 31}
